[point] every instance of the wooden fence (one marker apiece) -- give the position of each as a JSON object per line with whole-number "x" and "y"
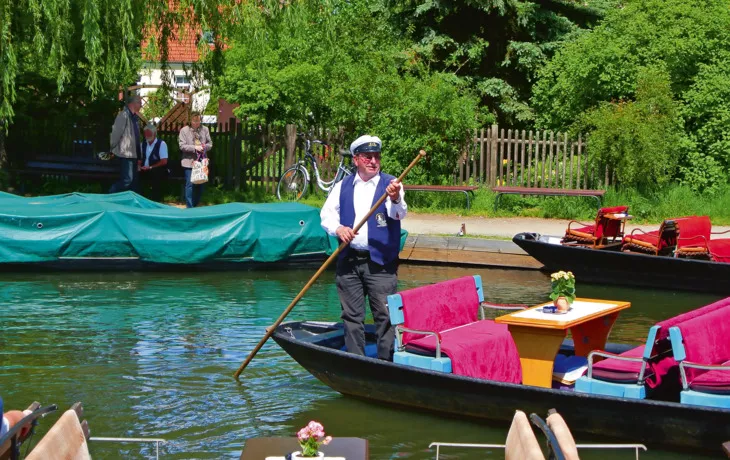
{"x": 253, "y": 155}
{"x": 527, "y": 159}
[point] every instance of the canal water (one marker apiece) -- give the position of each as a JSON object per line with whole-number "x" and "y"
{"x": 152, "y": 355}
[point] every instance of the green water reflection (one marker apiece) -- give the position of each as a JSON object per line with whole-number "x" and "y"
{"x": 152, "y": 354}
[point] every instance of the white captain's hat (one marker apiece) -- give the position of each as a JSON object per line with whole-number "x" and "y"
{"x": 366, "y": 144}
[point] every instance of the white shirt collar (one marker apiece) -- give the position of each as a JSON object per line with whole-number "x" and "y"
{"x": 373, "y": 180}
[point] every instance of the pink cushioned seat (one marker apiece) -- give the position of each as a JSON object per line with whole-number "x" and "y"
{"x": 441, "y": 306}
{"x": 713, "y": 381}
{"x": 483, "y": 350}
{"x": 614, "y": 370}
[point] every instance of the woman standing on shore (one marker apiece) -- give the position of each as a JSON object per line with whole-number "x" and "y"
{"x": 195, "y": 143}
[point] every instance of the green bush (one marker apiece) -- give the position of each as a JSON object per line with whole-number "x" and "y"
{"x": 640, "y": 141}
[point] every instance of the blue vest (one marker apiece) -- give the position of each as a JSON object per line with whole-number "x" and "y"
{"x": 154, "y": 154}
{"x": 383, "y": 241}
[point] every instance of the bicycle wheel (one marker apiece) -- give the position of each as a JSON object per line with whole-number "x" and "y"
{"x": 292, "y": 184}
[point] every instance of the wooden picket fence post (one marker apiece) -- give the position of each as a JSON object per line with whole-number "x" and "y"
{"x": 523, "y": 158}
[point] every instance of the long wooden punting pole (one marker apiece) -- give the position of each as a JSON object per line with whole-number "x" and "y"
{"x": 327, "y": 262}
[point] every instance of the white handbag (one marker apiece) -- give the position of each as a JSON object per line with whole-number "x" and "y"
{"x": 199, "y": 174}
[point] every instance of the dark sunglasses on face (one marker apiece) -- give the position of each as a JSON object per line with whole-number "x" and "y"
{"x": 369, "y": 156}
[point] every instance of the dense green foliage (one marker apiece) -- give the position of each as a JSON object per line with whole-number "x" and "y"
{"x": 641, "y": 140}
{"x": 604, "y": 66}
{"x": 336, "y": 64}
{"x": 493, "y": 46}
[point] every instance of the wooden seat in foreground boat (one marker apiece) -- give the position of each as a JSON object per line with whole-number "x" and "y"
{"x": 633, "y": 373}
{"x": 12, "y": 441}
{"x": 561, "y": 443}
{"x": 702, "y": 349}
{"x": 69, "y": 437}
{"x": 603, "y": 232}
{"x": 442, "y": 319}
{"x": 66, "y": 440}
{"x": 522, "y": 444}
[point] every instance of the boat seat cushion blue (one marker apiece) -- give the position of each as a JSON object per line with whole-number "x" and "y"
{"x": 482, "y": 349}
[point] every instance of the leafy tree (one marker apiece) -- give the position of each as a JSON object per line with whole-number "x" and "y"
{"x": 337, "y": 64}
{"x": 159, "y": 102}
{"x": 73, "y": 52}
{"x": 641, "y": 141}
{"x": 494, "y": 46}
{"x": 605, "y": 64}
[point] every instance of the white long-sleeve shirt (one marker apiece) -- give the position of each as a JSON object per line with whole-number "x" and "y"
{"x": 363, "y": 195}
{"x": 149, "y": 147}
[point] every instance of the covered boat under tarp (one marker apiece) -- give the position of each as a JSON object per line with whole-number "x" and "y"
{"x": 127, "y": 231}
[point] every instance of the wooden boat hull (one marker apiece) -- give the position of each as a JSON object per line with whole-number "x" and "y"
{"x": 655, "y": 423}
{"x": 629, "y": 269}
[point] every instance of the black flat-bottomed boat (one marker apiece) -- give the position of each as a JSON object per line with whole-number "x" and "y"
{"x": 606, "y": 266}
{"x": 317, "y": 346}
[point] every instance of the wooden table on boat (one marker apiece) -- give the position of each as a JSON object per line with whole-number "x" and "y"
{"x": 538, "y": 335}
{"x": 261, "y": 448}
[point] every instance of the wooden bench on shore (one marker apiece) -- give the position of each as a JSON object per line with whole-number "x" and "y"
{"x": 597, "y": 194}
{"x": 465, "y": 189}
{"x": 82, "y": 168}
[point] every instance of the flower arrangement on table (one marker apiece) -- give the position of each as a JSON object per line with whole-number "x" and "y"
{"x": 311, "y": 437}
{"x": 563, "y": 285}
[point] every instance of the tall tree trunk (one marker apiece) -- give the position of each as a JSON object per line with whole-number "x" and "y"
{"x": 3, "y": 153}
{"x": 291, "y": 145}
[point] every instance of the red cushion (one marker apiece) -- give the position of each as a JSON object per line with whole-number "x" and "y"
{"x": 440, "y": 306}
{"x": 713, "y": 381}
{"x": 648, "y": 237}
{"x": 719, "y": 249}
{"x": 693, "y": 231}
{"x": 587, "y": 229}
{"x": 483, "y": 350}
{"x": 613, "y": 210}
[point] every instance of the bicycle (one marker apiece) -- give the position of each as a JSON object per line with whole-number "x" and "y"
{"x": 294, "y": 181}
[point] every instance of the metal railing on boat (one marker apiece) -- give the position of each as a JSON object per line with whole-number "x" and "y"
{"x": 157, "y": 442}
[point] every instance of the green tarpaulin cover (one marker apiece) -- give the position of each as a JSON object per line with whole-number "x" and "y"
{"x": 127, "y": 225}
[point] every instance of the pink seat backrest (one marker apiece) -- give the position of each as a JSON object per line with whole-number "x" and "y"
{"x": 606, "y": 227}
{"x": 440, "y": 306}
{"x": 687, "y": 316}
{"x": 705, "y": 339}
{"x": 694, "y": 231}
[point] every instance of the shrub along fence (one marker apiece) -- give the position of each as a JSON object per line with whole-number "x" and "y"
{"x": 255, "y": 156}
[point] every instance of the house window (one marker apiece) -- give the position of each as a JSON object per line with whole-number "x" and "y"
{"x": 181, "y": 80}
{"x": 208, "y": 37}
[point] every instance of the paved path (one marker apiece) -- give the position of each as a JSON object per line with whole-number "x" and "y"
{"x": 437, "y": 224}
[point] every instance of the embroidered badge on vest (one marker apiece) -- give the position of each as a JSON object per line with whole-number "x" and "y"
{"x": 380, "y": 220}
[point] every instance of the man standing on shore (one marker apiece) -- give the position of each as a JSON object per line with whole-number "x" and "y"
{"x": 368, "y": 266}
{"x": 125, "y": 144}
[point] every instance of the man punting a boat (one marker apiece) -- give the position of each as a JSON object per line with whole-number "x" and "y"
{"x": 369, "y": 265}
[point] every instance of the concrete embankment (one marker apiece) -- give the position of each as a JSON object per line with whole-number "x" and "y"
{"x": 466, "y": 251}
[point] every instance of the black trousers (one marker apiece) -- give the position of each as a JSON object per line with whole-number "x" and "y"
{"x": 357, "y": 277}
{"x": 153, "y": 180}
